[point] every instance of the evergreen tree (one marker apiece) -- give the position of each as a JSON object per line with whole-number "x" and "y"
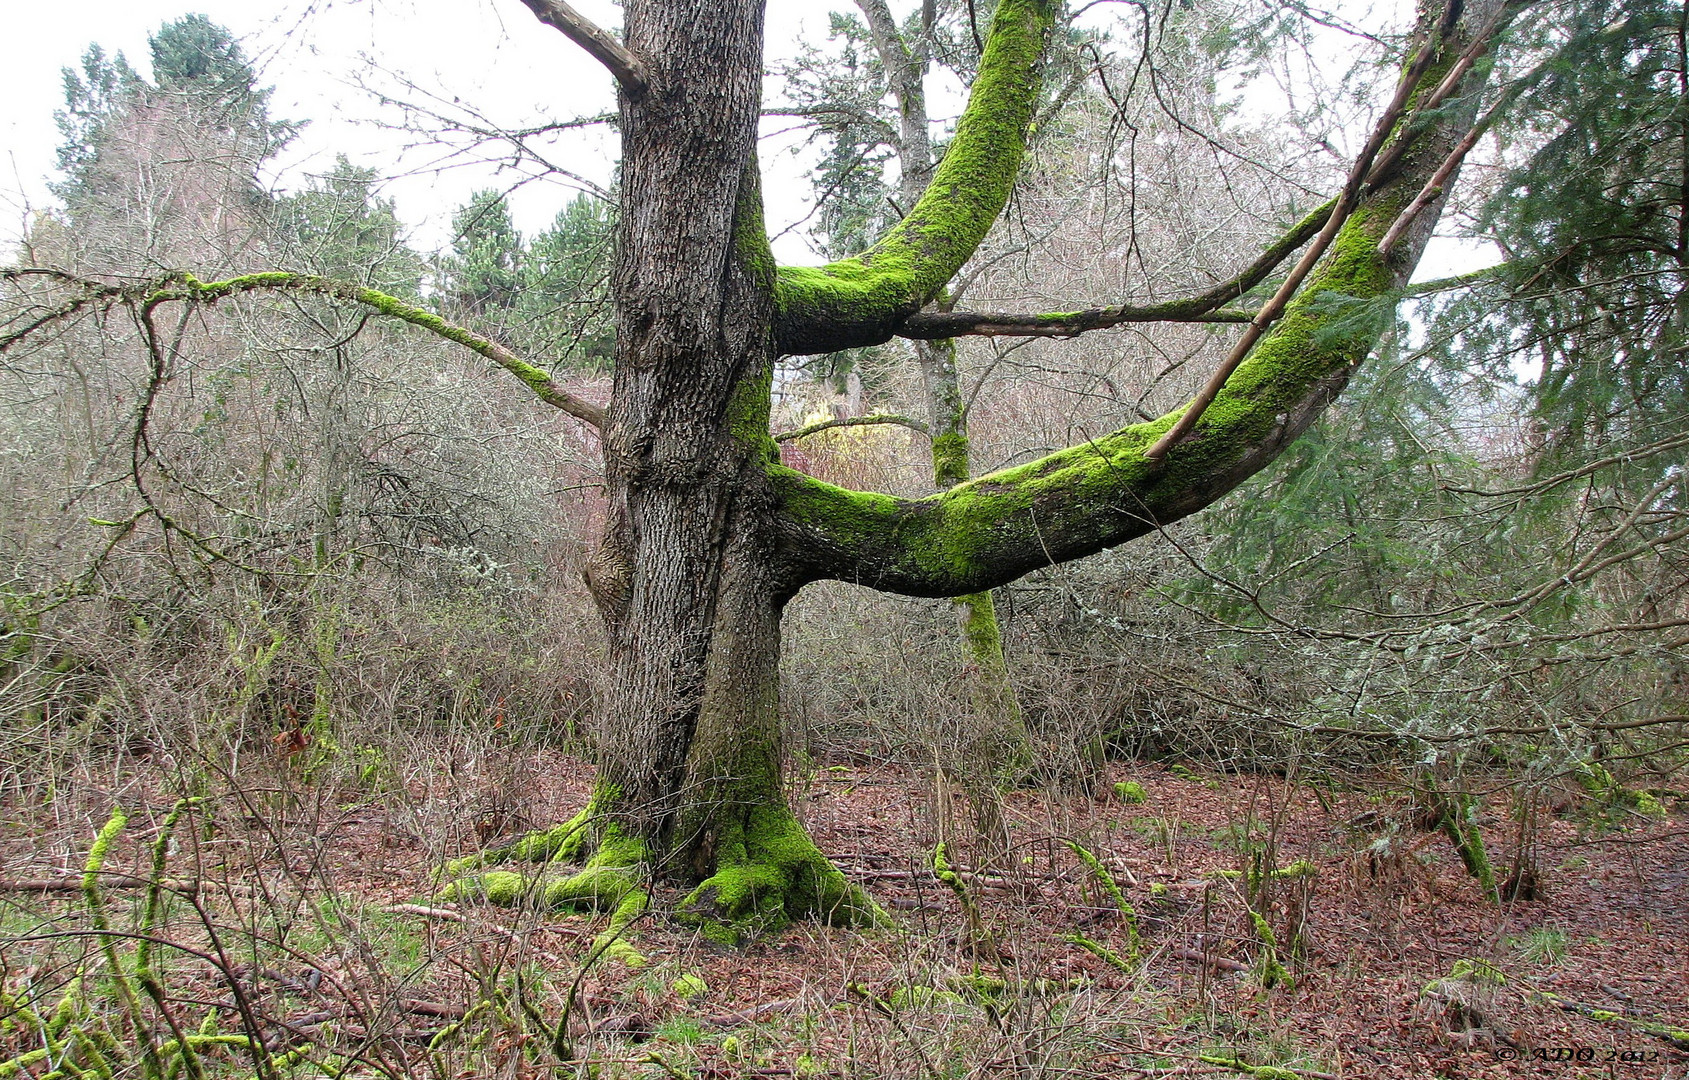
{"x": 201, "y": 64}
{"x": 483, "y": 272}
{"x": 92, "y": 99}
{"x": 165, "y": 172}
{"x": 340, "y": 228}
{"x": 548, "y": 296}
{"x": 565, "y": 285}
{"x": 1504, "y": 506}
{"x": 1594, "y": 220}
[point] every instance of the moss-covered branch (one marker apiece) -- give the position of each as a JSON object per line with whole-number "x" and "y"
{"x": 186, "y": 288}
{"x": 991, "y": 530}
{"x": 1675, "y": 1034}
{"x": 862, "y": 300}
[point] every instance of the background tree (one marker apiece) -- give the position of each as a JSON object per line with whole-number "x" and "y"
{"x": 164, "y": 173}
{"x": 870, "y": 113}
{"x": 566, "y": 301}
{"x": 340, "y": 227}
{"x": 1487, "y": 538}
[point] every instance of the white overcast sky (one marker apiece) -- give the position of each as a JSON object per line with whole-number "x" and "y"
{"x": 318, "y": 55}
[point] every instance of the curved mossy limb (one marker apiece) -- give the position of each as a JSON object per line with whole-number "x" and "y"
{"x": 995, "y": 528}
{"x": 183, "y": 287}
{"x": 769, "y": 872}
{"x": 861, "y": 300}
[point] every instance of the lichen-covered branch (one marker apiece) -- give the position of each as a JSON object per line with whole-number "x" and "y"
{"x": 186, "y": 288}
{"x": 940, "y": 325}
{"x": 862, "y": 300}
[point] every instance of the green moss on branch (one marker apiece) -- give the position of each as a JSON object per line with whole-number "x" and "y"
{"x": 993, "y": 529}
{"x": 861, "y": 301}
{"x": 1106, "y": 880}
{"x": 186, "y": 287}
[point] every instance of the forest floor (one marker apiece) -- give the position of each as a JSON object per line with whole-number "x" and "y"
{"x": 307, "y": 913}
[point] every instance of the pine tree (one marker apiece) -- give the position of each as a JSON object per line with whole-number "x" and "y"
{"x": 201, "y": 65}
{"x": 338, "y": 226}
{"x": 483, "y": 271}
{"x": 565, "y": 286}
{"x": 92, "y": 99}
{"x": 165, "y": 173}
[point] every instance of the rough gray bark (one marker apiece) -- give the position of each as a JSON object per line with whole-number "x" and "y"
{"x": 692, "y": 311}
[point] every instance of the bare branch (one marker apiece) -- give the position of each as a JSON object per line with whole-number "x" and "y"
{"x": 1433, "y": 188}
{"x": 853, "y": 421}
{"x": 936, "y": 325}
{"x": 185, "y": 287}
{"x": 628, "y": 69}
{"x": 1203, "y": 307}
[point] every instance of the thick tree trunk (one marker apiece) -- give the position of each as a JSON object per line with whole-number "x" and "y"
{"x": 687, "y": 574}
{"x": 693, "y": 308}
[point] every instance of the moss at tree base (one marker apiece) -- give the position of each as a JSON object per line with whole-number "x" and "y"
{"x": 769, "y": 872}
{"x": 611, "y": 880}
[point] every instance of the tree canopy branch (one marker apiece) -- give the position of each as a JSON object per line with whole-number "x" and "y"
{"x": 628, "y": 69}
{"x": 185, "y": 287}
{"x": 852, "y": 421}
{"x": 1075, "y": 502}
{"x": 991, "y": 530}
{"x": 1346, "y": 204}
{"x": 1203, "y": 307}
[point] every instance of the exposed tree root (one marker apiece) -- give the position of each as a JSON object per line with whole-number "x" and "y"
{"x": 567, "y": 842}
{"x": 612, "y": 880}
{"x": 769, "y": 872}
